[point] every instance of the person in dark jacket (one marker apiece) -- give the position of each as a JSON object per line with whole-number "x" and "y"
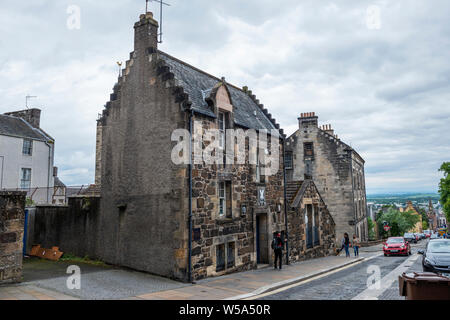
{"x": 277, "y": 246}
{"x": 346, "y": 244}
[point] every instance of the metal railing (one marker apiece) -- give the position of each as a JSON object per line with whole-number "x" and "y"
{"x": 57, "y": 195}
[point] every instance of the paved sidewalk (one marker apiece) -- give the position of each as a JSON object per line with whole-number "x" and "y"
{"x": 30, "y": 292}
{"x": 46, "y": 281}
{"x": 250, "y": 283}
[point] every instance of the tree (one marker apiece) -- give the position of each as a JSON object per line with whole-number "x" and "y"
{"x": 400, "y": 222}
{"x": 444, "y": 189}
{"x": 371, "y": 226}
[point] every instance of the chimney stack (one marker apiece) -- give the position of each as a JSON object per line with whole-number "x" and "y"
{"x": 32, "y": 116}
{"x": 327, "y": 128}
{"x": 308, "y": 119}
{"x": 145, "y": 33}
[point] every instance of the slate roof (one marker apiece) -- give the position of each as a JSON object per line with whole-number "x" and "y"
{"x": 17, "y": 127}
{"x": 199, "y": 84}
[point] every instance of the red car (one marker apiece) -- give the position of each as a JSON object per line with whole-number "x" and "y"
{"x": 396, "y": 245}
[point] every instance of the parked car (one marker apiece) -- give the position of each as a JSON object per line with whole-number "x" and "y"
{"x": 436, "y": 256}
{"x": 422, "y": 236}
{"x": 410, "y": 237}
{"x": 435, "y": 236}
{"x": 427, "y": 233}
{"x": 396, "y": 245}
{"x": 417, "y": 236}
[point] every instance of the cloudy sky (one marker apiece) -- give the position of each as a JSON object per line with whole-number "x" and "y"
{"x": 378, "y": 71}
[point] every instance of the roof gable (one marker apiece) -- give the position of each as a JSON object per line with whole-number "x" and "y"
{"x": 17, "y": 127}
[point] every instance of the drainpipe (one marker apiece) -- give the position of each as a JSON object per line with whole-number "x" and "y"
{"x": 191, "y": 115}
{"x": 353, "y": 190}
{"x": 285, "y": 201}
{"x": 49, "y": 168}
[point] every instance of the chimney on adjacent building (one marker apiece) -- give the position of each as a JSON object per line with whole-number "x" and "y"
{"x": 32, "y": 116}
{"x": 308, "y": 119}
{"x": 327, "y": 128}
{"x": 146, "y": 32}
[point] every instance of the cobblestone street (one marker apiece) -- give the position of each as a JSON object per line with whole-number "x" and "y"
{"x": 350, "y": 282}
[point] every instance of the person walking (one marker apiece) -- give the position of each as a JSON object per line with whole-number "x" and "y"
{"x": 346, "y": 244}
{"x": 356, "y": 244}
{"x": 277, "y": 246}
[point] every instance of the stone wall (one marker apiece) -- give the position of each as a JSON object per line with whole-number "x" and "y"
{"x": 74, "y": 229}
{"x": 238, "y": 230}
{"x": 12, "y": 215}
{"x": 298, "y": 250}
{"x": 144, "y": 195}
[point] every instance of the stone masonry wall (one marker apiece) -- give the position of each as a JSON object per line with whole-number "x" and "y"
{"x": 12, "y": 215}
{"x": 239, "y": 229}
{"x": 297, "y": 229}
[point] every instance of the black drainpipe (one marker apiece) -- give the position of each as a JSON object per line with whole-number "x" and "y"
{"x": 285, "y": 201}
{"x": 191, "y": 114}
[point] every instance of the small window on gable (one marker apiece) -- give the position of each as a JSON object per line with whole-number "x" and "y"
{"x": 27, "y": 148}
{"x": 308, "y": 149}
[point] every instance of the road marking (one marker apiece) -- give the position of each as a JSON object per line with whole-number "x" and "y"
{"x": 387, "y": 281}
{"x": 310, "y": 279}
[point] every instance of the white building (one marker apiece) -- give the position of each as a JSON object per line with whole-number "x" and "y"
{"x": 26, "y": 155}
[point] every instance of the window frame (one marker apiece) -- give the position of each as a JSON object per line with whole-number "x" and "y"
{"x": 27, "y": 149}
{"x": 222, "y": 199}
{"x": 23, "y": 178}
{"x": 308, "y": 152}
{"x": 289, "y": 160}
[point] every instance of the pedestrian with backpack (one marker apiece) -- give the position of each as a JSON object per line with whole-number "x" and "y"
{"x": 277, "y": 246}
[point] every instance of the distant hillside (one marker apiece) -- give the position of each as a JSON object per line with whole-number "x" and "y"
{"x": 403, "y": 197}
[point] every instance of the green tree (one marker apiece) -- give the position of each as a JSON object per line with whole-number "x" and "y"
{"x": 444, "y": 189}
{"x": 400, "y": 222}
{"x": 371, "y": 226}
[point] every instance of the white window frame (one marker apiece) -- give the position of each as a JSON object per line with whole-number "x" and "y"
{"x": 222, "y": 127}
{"x": 23, "y": 178}
{"x": 28, "y": 151}
{"x": 222, "y": 199}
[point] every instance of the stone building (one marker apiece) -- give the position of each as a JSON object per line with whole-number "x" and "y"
{"x": 148, "y": 202}
{"x": 190, "y": 221}
{"x": 418, "y": 228}
{"x": 432, "y": 216}
{"x": 337, "y": 170}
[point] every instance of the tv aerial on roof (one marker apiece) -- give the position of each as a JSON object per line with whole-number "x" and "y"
{"x": 161, "y": 3}
{"x": 28, "y": 97}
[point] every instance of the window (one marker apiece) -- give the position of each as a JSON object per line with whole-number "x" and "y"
{"x": 225, "y": 199}
{"x": 259, "y": 177}
{"x": 221, "y": 198}
{"x": 25, "y": 180}
{"x": 222, "y": 128}
{"x": 308, "y": 149}
{"x": 288, "y": 161}
{"x": 27, "y": 147}
{"x": 230, "y": 255}
{"x": 220, "y": 257}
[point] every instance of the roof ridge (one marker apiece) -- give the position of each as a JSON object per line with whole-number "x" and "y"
{"x": 199, "y": 70}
